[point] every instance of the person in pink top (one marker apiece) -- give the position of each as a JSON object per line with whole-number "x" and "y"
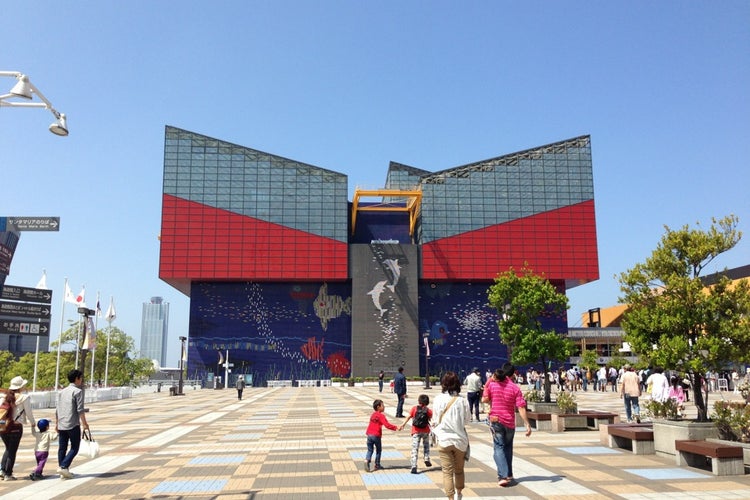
{"x": 677, "y": 393}
{"x": 504, "y": 397}
{"x": 375, "y": 433}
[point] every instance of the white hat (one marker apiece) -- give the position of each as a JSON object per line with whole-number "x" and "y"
{"x": 17, "y": 383}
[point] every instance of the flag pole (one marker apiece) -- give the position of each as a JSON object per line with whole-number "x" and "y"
{"x": 59, "y": 339}
{"x": 93, "y": 351}
{"x": 110, "y": 317}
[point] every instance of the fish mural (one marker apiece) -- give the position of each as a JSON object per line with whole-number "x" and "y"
{"x": 395, "y": 269}
{"x": 376, "y": 292}
{"x": 328, "y": 307}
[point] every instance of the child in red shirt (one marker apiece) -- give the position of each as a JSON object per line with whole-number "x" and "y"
{"x": 375, "y": 433}
{"x": 419, "y": 433}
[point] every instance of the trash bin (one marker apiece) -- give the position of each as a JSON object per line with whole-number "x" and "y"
{"x": 172, "y": 390}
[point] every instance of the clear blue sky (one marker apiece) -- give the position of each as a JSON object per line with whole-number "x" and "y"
{"x": 661, "y": 87}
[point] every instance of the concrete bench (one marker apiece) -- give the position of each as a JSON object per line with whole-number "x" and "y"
{"x": 568, "y": 421}
{"x": 638, "y": 438}
{"x": 726, "y": 460}
{"x": 538, "y": 421}
{"x": 594, "y": 418}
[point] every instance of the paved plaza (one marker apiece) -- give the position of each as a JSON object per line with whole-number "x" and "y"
{"x": 309, "y": 444}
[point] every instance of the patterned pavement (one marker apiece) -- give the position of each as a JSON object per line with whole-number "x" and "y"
{"x": 308, "y": 443}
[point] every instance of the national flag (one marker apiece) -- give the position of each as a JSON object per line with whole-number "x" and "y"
{"x": 42, "y": 285}
{"x": 81, "y": 298}
{"x": 69, "y": 297}
{"x": 89, "y": 341}
{"x": 110, "y": 316}
{"x": 98, "y": 307}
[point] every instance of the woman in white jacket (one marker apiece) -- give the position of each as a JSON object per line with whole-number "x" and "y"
{"x": 451, "y": 412}
{"x": 23, "y": 413}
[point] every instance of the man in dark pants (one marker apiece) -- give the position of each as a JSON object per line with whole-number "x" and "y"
{"x": 70, "y": 417}
{"x": 399, "y": 387}
{"x": 240, "y": 386}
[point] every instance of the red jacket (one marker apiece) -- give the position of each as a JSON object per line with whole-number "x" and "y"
{"x": 377, "y": 421}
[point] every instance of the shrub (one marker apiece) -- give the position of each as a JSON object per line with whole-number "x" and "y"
{"x": 732, "y": 419}
{"x": 533, "y": 396}
{"x": 566, "y": 401}
{"x": 658, "y": 409}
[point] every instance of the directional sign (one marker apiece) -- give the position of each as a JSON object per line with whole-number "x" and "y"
{"x": 13, "y": 223}
{"x": 34, "y": 311}
{"x": 24, "y": 327}
{"x": 38, "y": 295}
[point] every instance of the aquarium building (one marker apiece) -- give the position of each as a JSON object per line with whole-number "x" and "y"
{"x": 291, "y": 280}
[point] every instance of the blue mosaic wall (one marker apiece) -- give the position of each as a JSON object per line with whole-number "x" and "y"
{"x": 274, "y": 331}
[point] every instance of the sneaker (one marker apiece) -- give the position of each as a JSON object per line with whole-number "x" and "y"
{"x": 630, "y": 421}
{"x": 367, "y": 466}
{"x": 65, "y": 473}
{"x": 428, "y": 463}
{"x": 377, "y": 467}
{"x": 638, "y": 419}
{"x": 32, "y": 476}
{"x": 413, "y": 470}
{"x": 9, "y": 477}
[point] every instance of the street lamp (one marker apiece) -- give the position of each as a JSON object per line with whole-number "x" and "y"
{"x": 426, "y": 340}
{"x": 182, "y": 362}
{"x": 24, "y": 89}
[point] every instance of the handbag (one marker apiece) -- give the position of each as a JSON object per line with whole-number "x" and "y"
{"x": 89, "y": 447}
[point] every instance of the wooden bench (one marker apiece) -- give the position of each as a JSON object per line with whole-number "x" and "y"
{"x": 538, "y": 421}
{"x": 594, "y": 418}
{"x": 726, "y": 460}
{"x": 638, "y": 438}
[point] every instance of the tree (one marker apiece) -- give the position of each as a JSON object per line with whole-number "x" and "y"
{"x": 674, "y": 320}
{"x": 523, "y": 303}
{"x": 589, "y": 360}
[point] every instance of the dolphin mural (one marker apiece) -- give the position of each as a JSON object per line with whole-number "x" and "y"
{"x": 375, "y": 293}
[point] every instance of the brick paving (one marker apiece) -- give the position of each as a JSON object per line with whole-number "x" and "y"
{"x": 308, "y": 443}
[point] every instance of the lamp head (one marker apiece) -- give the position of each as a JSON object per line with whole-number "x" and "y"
{"x": 60, "y": 127}
{"x": 22, "y": 88}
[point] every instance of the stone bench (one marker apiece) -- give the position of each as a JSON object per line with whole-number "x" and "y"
{"x": 594, "y": 418}
{"x": 726, "y": 460}
{"x": 539, "y": 421}
{"x": 568, "y": 421}
{"x": 638, "y": 438}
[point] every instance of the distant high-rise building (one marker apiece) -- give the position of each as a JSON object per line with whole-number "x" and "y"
{"x": 154, "y": 330}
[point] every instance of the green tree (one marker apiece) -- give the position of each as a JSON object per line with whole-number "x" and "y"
{"x": 522, "y": 301}
{"x": 6, "y": 358}
{"x": 673, "y": 320}
{"x": 589, "y": 360}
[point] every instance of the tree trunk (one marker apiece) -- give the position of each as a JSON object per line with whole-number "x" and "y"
{"x": 700, "y": 404}
{"x": 547, "y": 386}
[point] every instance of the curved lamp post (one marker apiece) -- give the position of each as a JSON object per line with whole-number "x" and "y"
{"x": 24, "y": 89}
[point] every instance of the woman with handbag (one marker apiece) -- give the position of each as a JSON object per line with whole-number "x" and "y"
{"x": 22, "y": 412}
{"x": 452, "y": 412}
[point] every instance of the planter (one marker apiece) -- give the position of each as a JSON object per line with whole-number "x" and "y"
{"x": 666, "y": 432}
{"x": 745, "y": 448}
{"x": 540, "y": 407}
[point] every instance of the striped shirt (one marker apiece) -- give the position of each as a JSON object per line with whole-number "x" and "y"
{"x": 504, "y": 397}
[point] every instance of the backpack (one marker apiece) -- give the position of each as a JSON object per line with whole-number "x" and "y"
{"x": 7, "y": 407}
{"x": 421, "y": 418}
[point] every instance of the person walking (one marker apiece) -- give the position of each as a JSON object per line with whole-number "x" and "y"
{"x": 451, "y": 412}
{"x": 240, "y": 386}
{"x": 381, "y": 377}
{"x": 504, "y": 397}
{"x": 399, "y": 387}
{"x": 474, "y": 392}
{"x": 658, "y": 384}
{"x": 630, "y": 391}
{"x": 420, "y": 431}
{"x": 44, "y": 438}
{"x": 70, "y": 417}
{"x": 20, "y": 404}
{"x": 374, "y": 433}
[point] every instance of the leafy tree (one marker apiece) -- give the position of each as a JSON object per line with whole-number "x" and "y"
{"x": 522, "y": 301}
{"x": 673, "y": 320}
{"x": 589, "y": 360}
{"x": 6, "y": 358}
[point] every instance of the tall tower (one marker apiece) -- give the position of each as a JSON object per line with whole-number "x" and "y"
{"x": 154, "y": 330}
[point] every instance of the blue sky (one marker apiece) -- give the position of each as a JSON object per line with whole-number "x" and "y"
{"x": 661, "y": 87}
